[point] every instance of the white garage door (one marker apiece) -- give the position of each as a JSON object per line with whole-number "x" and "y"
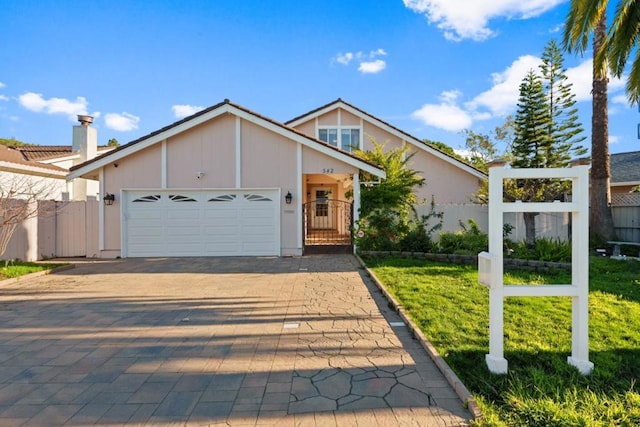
{"x": 201, "y": 223}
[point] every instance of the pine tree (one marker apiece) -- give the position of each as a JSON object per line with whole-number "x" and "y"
{"x": 565, "y": 128}
{"x": 547, "y": 132}
{"x": 531, "y": 145}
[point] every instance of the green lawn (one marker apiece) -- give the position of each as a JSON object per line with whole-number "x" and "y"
{"x": 19, "y": 268}
{"x": 541, "y": 389}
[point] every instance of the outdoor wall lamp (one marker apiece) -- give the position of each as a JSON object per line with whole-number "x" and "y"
{"x": 288, "y": 198}
{"x": 109, "y": 199}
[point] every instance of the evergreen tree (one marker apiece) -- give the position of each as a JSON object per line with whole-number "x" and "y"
{"x": 531, "y": 145}
{"x": 547, "y": 133}
{"x": 565, "y": 128}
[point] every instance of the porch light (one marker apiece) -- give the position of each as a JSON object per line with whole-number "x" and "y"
{"x": 109, "y": 199}
{"x": 288, "y": 198}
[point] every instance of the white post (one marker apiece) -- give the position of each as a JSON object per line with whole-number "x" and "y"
{"x": 495, "y": 360}
{"x": 580, "y": 273}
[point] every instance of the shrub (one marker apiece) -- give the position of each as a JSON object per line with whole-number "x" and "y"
{"x": 544, "y": 249}
{"x": 469, "y": 241}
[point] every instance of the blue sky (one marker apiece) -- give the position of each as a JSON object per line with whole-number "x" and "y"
{"x": 430, "y": 67}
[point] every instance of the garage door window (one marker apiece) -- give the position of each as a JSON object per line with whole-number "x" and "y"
{"x": 179, "y": 198}
{"x": 223, "y": 198}
{"x": 152, "y": 198}
{"x": 257, "y": 198}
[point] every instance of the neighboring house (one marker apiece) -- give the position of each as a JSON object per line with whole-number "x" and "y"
{"x": 625, "y": 171}
{"x": 18, "y": 175}
{"x": 225, "y": 181}
{"x": 48, "y": 165}
{"x": 448, "y": 180}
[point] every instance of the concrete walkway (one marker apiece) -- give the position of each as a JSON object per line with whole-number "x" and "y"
{"x": 304, "y": 341}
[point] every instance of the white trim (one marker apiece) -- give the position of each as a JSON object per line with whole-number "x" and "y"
{"x": 624, "y": 183}
{"x": 306, "y": 141}
{"x": 101, "y": 207}
{"x": 299, "y": 194}
{"x": 163, "y": 164}
{"x": 151, "y": 140}
{"x": 251, "y": 118}
{"x": 32, "y": 170}
{"x": 400, "y": 135}
{"x": 124, "y": 200}
{"x": 238, "y": 152}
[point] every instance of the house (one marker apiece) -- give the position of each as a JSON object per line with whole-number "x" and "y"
{"x": 224, "y": 181}
{"x": 47, "y": 165}
{"x": 448, "y": 180}
{"x": 19, "y": 174}
{"x": 229, "y": 181}
{"x": 625, "y": 171}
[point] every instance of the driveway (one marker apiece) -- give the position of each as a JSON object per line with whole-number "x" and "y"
{"x": 298, "y": 341}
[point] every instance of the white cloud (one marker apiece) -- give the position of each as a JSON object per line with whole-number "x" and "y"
{"x": 620, "y": 99}
{"x": 502, "y": 97}
{"x": 4, "y": 98}
{"x": 2, "y": 85}
{"x": 581, "y": 77}
{"x": 372, "y": 67}
{"x": 123, "y": 122}
{"x": 184, "y": 110}
{"x": 468, "y": 19}
{"x": 36, "y": 102}
{"x": 447, "y": 115}
{"x": 613, "y": 139}
{"x": 367, "y": 62}
{"x": 344, "y": 59}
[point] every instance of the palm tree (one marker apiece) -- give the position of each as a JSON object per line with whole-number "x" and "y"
{"x": 586, "y": 17}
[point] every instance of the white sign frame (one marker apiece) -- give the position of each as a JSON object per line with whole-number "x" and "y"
{"x": 491, "y": 264}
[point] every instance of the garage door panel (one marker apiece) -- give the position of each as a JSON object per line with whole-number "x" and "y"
{"x": 182, "y": 214}
{"x": 189, "y": 223}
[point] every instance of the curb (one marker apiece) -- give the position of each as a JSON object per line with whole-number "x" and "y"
{"x": 460, "y": 389}
{"x": 37, "y": 274}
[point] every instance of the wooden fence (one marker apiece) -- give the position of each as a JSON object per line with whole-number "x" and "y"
{"x": 625, "y": 208}
{"x": 65, "y": 229}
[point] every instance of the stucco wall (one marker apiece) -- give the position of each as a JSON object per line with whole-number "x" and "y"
{"x": 208, "y": 148}
{"x": 446, "y": 182}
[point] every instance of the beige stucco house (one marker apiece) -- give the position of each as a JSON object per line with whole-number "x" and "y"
{"x": 227, "y": 181}
{"x": 448, "y": 180}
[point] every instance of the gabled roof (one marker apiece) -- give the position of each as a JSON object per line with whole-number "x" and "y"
{"x": 339, "y": 103}
{"x": 625, "y": 168}
{"x": 13, "y": 161}
{"x": 225, "y": 107}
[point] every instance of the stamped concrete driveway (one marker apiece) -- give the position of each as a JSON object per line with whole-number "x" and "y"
{"x": 213, "y": 341}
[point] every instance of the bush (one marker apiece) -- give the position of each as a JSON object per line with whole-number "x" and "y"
{"x": 389, "y": 230}
{"x": 470, "y": 241}
{"x": 380, "y": 231}
{"x": 544, "y": 249}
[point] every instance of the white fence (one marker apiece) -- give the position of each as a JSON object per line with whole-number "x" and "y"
{"x": 625, "y": 211}
{"x": 548, "y": 224}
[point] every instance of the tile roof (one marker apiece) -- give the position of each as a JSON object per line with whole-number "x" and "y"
{"x": 10, "y": 155}
{"x": 625, "y": 167}
{"x": 47, "y": 152}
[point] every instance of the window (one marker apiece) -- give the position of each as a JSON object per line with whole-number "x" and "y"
{"x": 329, "y": 135}
{"x": 350, "y": 139}
{"x": 347, "y": 138}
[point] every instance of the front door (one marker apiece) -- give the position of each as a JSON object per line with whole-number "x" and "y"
{"x": 321, "y": 214}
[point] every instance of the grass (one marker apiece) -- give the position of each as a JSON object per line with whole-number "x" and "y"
{"x": 541, "y": 389}
{"x": 19, "y": 268}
